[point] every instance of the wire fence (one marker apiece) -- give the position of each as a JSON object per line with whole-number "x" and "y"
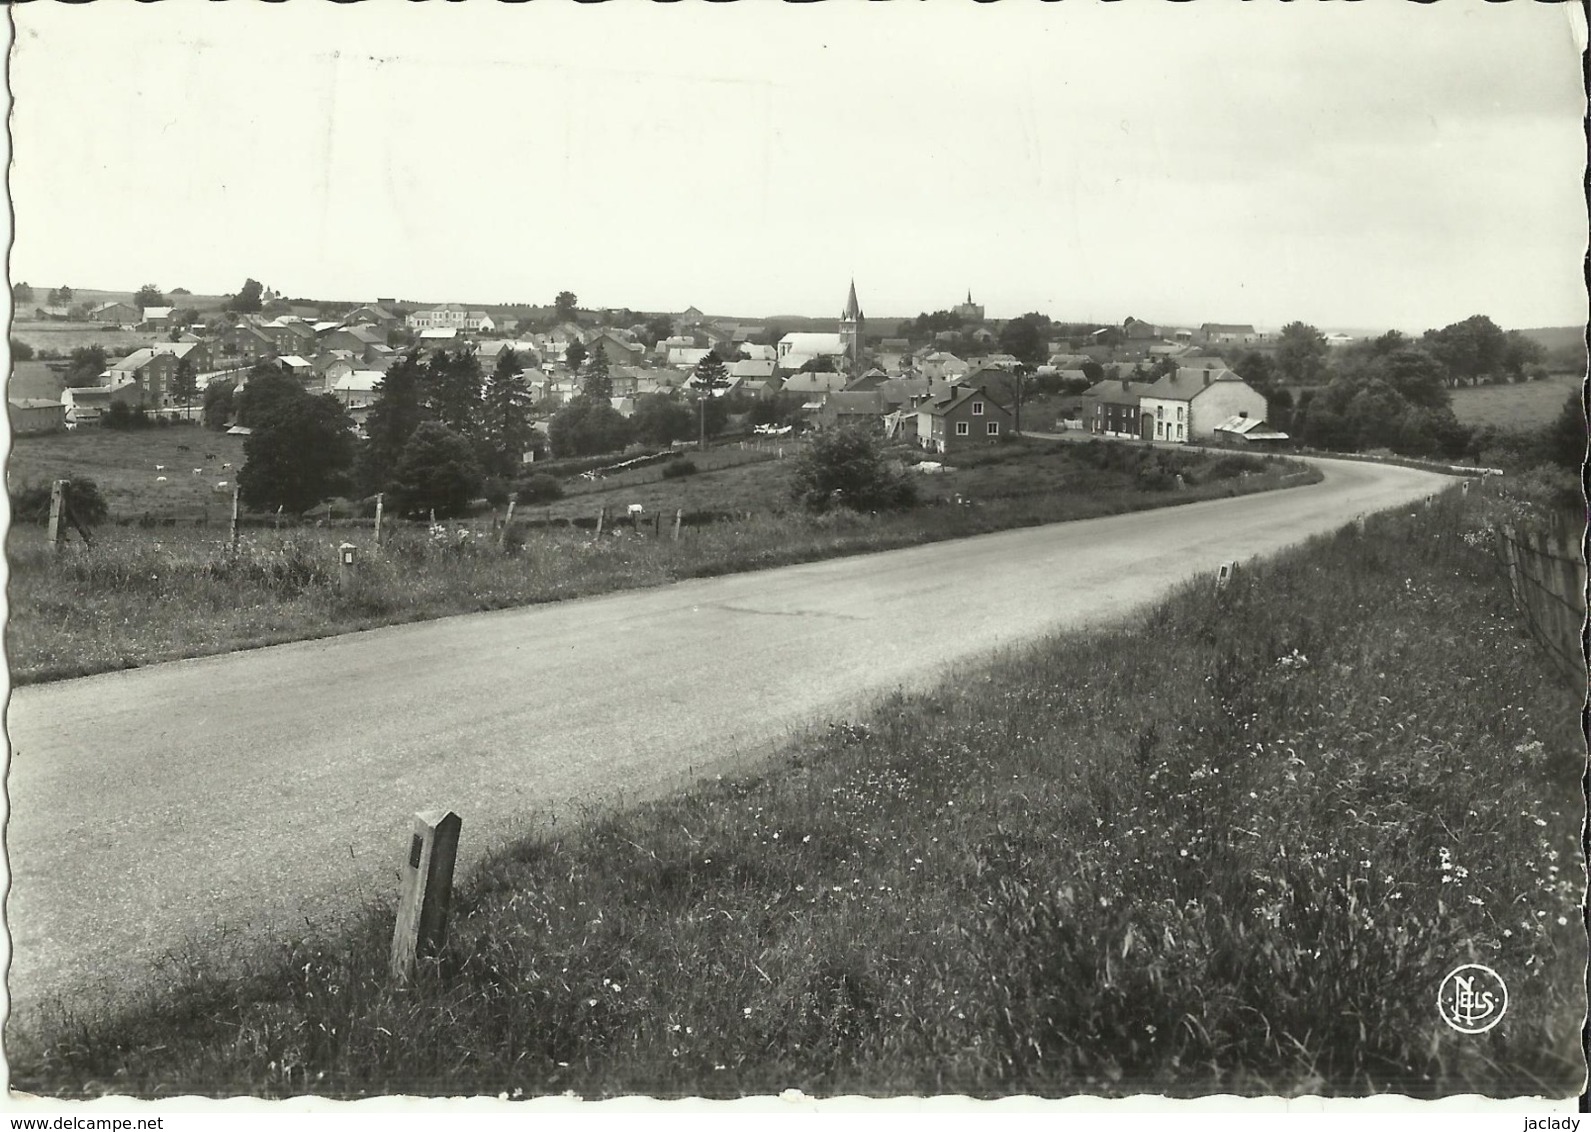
{"x": 1546, "y": 571}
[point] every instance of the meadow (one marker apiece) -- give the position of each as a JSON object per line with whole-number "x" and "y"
{"x": 127, "y": 466}
{"x": 1232, "y": 845}
{"x": 64, "y": 337}
{"x": 1529, "y": 406}
{"x": 142, "y": 595}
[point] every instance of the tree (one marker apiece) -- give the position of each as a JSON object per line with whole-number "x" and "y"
{"x": 658, "y": 327}
{"x": 1301, "y": 355}
{"x": 1093, "y": 371}
{"x": 597, "y": 384}
{"x": 267, "y": 387}
{"x": 398, "y": 409}
{"x": 218, "y": 405}
{"x": 1257, "y": 369}
{"x": 660, "y": 420}
{"x": 823, "y": 363}
{"x": 1418, "y": 377}
{"x": 299, "y": 452}
{"x": 846, "y": 468}
{"x": 247, "y": 301}
{"x": 1027, "y": 338}
{"x": 437, "y": 472}
{"x": 185, "y": 383}
{"x": 21, "y": 294}
{"x": 586, "y": 427}
{"x": 1564, "y": 442}
{"x": 575, "y": 355}
{"x": 505, "y": 414}
{"x": 84, "y": 365}
{"x": 21, "y": 351}
{"x": 453, "y": 391}
{"x": 149, "y": 296}
{"x": 1472, "y": 350}
{"x": 707, "y": 378}
{"x": 1520, "y": 352}
{"x": 566, "y": 306}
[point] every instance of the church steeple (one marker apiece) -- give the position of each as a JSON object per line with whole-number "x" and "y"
{"x": 851, "y": 322}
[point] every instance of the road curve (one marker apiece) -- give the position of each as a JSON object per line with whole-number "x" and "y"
{"x": 235, "y": 796}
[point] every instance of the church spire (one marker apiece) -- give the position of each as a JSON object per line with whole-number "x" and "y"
{"x": 853, "y": 309}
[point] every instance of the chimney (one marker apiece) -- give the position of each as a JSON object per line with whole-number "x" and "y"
{"x": 1126, "y": 385}
{"x": 1207, "y": 377}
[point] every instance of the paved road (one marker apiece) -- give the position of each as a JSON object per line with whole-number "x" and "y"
{"x": 235, "y": 796}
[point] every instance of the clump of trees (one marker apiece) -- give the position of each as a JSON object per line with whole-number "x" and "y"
{"x": 846, "y": 469}
{"x": 301, "y": 447}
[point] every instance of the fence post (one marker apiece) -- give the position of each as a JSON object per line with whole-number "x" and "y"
{"x": 502, "y": 539}
{"x": 1224, "y": 575}
{"x": 232, "y": 537}
{"x": 381, "y": 497}
{"x": 427, "y": 890}
{"x": 679, "y": 515}
{"x": 57, "y": 504}
{"x": 602, "y": 515}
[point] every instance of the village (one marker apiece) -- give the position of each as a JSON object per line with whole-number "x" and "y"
{"x": 947, "y": 387}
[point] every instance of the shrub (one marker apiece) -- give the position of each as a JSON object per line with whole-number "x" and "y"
{"x": 846, "y": 468}
{"x": 539, "y": 488}
{"x": 122, "y": 418}
{"x": 30, "y": 502}
{"x": 679, "y": 468}
{"x": 1229, "y": 467}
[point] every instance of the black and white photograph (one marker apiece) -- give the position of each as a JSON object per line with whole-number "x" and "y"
{"x": 857, "y": 551}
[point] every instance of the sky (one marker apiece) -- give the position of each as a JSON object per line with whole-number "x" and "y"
{"x": 1361, "y": 165}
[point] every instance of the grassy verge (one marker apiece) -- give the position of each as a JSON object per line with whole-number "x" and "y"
{"x": 1233, "y": 847}
{"x": 143, "y": 596}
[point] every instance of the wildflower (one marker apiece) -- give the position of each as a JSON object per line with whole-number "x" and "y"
{"x": 746, "y": 1011}
{"x": 1562, "y": 920}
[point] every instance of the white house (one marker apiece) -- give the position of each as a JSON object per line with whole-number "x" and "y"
{"x": 1191, "y": 403}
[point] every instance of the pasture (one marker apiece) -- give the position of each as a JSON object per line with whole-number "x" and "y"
{"x": 127, "y": 467}
{"x": 1529, "y": 406}
{"x": 64, "y": 337}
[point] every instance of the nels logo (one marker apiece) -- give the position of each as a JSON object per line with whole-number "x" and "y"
{"x": 1472, "y": 999}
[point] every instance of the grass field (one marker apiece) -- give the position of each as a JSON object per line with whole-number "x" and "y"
{"x": 1231, "y": 846}
{"x": 1528, "y": 407}
{"x": 140, "y": 596}
{"x": 64, "y": 337}
{"x": 126, "y": 467}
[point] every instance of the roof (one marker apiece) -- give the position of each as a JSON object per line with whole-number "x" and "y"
{"x": 295, "y": 361}
{"x": 439, "y": 332}
{"x": 1112, "y": 392}
{"x": 157, "y": 312}
{"x": 821, "y": 382}
{"x": 853, "y": 309}
{"x": 360, "y": 381}
{"x": 955, "y": 399}
{"x": 752, "y": 369}
{"x": 180, "y": 349}
{"x": 867, "y": 401}
{"x": 800, "y": 343}
{"x": 1251, "y": 428}
{"x": 138, "y": 359}
{"x": 34, "y": 403}
{"x": 1227, "y": 328}
{"x": 1186, "y": 384}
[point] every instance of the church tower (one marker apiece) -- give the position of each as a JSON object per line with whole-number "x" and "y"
{"x": 851, "y": 323}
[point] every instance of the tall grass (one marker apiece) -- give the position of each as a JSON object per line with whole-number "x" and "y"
{"x": 1233, "y": 847}
{"x": 147, "y": 595}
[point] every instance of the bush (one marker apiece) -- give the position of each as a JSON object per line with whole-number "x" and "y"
{"x": 679, "y": 468}
{"x": 1229, "y": 467}
{"x": 846, "y": 468}
{"x": 30, "y": 502}
{"x": 539, "y": 488}
{"x": 123, "y": 418}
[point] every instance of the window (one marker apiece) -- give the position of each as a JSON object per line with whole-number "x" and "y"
{"x": 994, "y": 428}
{"x": 963, "y": 428}
{"x": 1160, "y": 429}
{"x": 1179, "y": 412}
{"x": 1160, "y": 412}
{"x": 1179, "y": 432}
{"x": 977, "y": 408}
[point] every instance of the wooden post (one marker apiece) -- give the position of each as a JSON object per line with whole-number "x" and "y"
{"x": 381, "y": 497}
{"x": 679, "y": 515}
{"x": 57, "y": 504}
{"x": 232, "y": 537}
{"x": 427, "y": 890}
{"x": 602, "y": 514}
{"x": 502, "y": 539}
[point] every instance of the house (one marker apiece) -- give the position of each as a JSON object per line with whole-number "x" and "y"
{"x": 760, "y": 370}
{"x": 965, "y": 417}
{"x": 440, "y": 338}
{"x": 1112, "y": 409}
{"x": 297, "y": 367}
{"x": 355, "y": 338}
{"x": 358, "y": 390}
{"x": 684, "y": 357}
{"x": 1189, "y": 404}
{"x": 332, "y": 366}
{"x": 1137, "y": 328}
{"x": 942, "y": 365}
{"x": 796, "y": 350}
{"x": 758, "y": 353}
{"x": 152, "y": 372}
{"x": 245, "y": 343}
{"x": 451, "y": 316}
{"x": 814, "y": 385}
{"x": 1247, "y": 431}
{"x": 852, "y": 409}
{"x": 373, "y": 314}
{"x": 196, "y": 353}
{"x": 615, "y": 348}
{"x": 121, "y": 314}
{"x": 34, "y": 416}
{"x": 290, "y": 336}
{"x": 84, "y": 405}
{"x": 1222, "y": 332}
{"x": 1339, "y": 340}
